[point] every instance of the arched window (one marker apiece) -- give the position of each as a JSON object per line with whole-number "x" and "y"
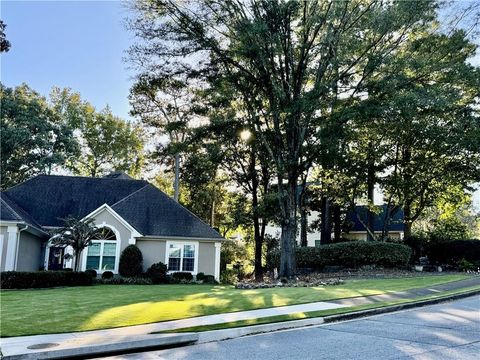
{"x": 102, "y": 251}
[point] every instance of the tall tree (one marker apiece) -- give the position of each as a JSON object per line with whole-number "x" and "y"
{"x": 108, "y": 143}
{"x": 35, "y": 139}
{"x": 297, "y": 57}
{"x": 164, "y": 105}
{"x": 4, "y": 43}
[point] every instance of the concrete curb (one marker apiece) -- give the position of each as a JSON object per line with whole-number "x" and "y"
{"x": 219, "y": 335}
{"x": 120, "y": 345}
{"x": 393, "y": 308}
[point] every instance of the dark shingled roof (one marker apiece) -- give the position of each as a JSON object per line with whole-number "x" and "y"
{"x": 396, "y": 223}
{"x": 50, "y": 198}
{"x": 152, "y": 212}
{"x": 10, "y": 211}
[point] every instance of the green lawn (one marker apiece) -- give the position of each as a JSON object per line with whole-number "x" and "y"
{"x": 28, "y": 312}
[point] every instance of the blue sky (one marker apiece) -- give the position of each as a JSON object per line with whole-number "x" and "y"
{"x": 76, "y": 44}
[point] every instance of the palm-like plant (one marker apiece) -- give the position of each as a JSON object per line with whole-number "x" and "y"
{"x": 76, "y": 233}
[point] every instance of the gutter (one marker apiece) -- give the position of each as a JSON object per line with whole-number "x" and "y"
{"x": 18, "y": 245}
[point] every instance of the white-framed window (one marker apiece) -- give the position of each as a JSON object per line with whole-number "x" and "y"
{"x": 103, "y": 252}
{"x": 182, "y": 256}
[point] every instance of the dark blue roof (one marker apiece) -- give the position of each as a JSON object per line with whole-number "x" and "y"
{"x": 152, "y": 212}
{"x": 396, "y": 223}
{"x": 49, "y": 198}
{"x": 10, "y": 211}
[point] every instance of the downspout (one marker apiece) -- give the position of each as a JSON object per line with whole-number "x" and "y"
{"x": 18, "y": 245}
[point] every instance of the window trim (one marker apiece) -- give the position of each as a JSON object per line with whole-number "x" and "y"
{"x": 102, "y": 242}
{"x": 181, "y": 244}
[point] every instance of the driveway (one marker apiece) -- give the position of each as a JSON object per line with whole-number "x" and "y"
{"x": 444, "y": 331}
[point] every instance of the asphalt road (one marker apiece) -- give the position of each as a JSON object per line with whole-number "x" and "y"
{"x": 444, "y": 331}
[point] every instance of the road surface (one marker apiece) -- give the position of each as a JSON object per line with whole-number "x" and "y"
{"x": 444, "y": 331}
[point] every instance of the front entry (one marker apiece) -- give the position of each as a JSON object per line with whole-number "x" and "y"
{"x": 55, "y": 258}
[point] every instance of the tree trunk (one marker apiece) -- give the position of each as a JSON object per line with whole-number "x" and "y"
{"x": 371, "y": 200}
{"x": 326, "y": 222}
{"x": 177, "y": 177}
{"x": 303, "y": 227}
{"x": 77, "y": 260}
{"x": 289, "y": 229}
{"x": 337, "y": 226}
{"x": 407, "y": 213}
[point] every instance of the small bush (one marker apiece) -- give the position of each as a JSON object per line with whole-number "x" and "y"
{"x": 131, "y": 261}
{"x": 92, "y": 273}
{"x": 107, "y": 275}
{"x": 179, "y": 276}
{"x": 451, "y": 252}
{"x": 43, "y": 279}
{"x": 157, "y": 273}
{"x": 348, "y": 254}
{"x": 200, "y": 276}
{"x": 229, "y": 277}
{"x": 465, "y": 265}
{"x": 209, "y": 279}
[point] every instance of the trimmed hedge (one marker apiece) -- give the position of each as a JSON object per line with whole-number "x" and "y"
{"x": 179, "y": 276}
{"x": 107, "y": 275}
{"x": 347, "y": 254}
{"x": 157, "y": 273}
{"x": 43, "y": 279}
{"x": 452, "y": 252}
{"x": 131, "y": 262}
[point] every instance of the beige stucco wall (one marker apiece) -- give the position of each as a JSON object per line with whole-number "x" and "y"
{"x": 153, "y": 251}
{"x": 4, "y": 234}
{"x": 29, "y": 252}
{"x": 206, "y": 258}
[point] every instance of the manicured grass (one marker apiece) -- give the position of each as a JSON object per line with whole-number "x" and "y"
{"x": 28, "y": 312}
{"x": 312, "y": 314}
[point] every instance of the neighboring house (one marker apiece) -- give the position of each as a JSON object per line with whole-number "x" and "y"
{"x": 355, "y": 230}
{"x": 128, "y": 211}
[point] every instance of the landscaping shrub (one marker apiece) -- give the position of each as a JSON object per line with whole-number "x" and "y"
{"x": 452, "y": 252}
{"x": 179, "y": 276}
{"x": 348, "y": 254}
{"x": 200, "y": 276}
{"x": 157, "y": 273}
{"x": 229, "y": 277}
{"x": 131, "y": 261}
{"x": 209, "y": 279}
{"x": 92, "y": 273}
{"x": 43, "y": 279}
{"x": 107, "y": 275}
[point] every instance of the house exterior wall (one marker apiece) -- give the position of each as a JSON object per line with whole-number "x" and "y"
{"x": 29, "y": 252}
{"x": 153, "y": 251}
{"x": 3, "y": 246}
{"x": 206, "y": 258}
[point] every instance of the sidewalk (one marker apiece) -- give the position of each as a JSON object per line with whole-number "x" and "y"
{"x": 118, "y": 339}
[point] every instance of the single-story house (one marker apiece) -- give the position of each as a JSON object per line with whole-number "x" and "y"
{"x": 127, "y": 211}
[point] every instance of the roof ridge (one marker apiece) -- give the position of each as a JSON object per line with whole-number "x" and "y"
{"x": 131, "y": 194}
